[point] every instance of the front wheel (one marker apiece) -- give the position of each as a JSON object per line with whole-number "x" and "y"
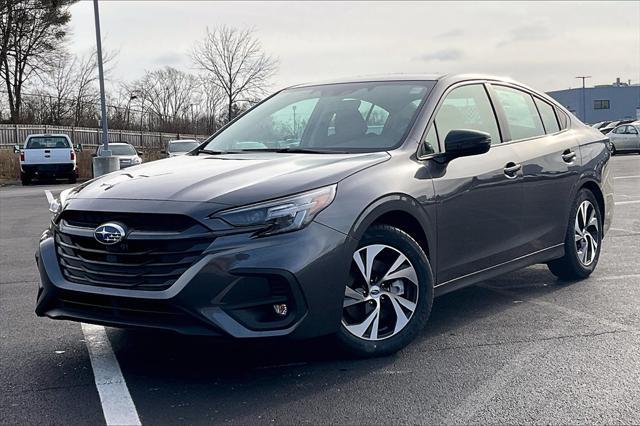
{"x": 582, "y": 240}
{"x": 389, "y": 295}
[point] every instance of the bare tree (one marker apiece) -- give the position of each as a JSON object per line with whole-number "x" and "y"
{"x": 168, "y": 94}
{"x": 236, "y": 63}
{"x": 210, "y": 100}
{"x": 36, "y": 30}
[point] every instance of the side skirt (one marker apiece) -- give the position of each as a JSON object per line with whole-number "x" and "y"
{"x": 540, "y": 256}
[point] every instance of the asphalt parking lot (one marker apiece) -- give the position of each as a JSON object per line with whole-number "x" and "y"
{"x": 523, "y": 348}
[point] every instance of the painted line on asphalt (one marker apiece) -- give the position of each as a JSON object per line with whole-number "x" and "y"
{"x": 619, "y": 203}
{"x": 628, "y": 177}
{"x": 117, "y": 405}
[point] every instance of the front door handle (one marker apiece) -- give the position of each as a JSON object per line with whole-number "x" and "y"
{"x": 511, "y": 170}
{"x": 568, "y": 156}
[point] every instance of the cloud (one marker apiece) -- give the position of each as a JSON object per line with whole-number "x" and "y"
{"x": 457, "y": 32}
{"x": 443, "y": 55}
{"x": 170, "y": 58}
{"x": 528, "y": 32}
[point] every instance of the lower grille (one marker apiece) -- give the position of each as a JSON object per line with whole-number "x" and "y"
{"x": 136, "y": 263}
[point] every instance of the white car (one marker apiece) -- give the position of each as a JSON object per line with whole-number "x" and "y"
{"x": 626, "y": 137}
{"x": 181, "y": 147}
{"x": 47, "y": 156}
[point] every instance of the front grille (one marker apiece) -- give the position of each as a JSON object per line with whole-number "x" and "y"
{"x": 137, "y": 221}
{"x": 145, "y": 260}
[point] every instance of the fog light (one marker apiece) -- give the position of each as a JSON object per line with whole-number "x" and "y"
{"x": 281, "y": 309}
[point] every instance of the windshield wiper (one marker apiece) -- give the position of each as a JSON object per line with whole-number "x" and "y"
{"x": 295, "y": 150}
{"x": 210, "y": 152}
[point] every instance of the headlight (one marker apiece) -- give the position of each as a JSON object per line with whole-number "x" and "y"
{"x": 56, "y": 204}
{"x": 136, "y": 160}
{"x": 281, "y": 215}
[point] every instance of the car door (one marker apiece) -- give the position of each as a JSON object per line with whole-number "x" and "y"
{"x": 634, "y": 137}
{"x": 550, "y": 163}
{"x": 479, "y": 198}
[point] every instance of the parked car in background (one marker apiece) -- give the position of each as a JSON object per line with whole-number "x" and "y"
{"x": 609, "y": 127}
{"x": 600, "y": 124}
{"x": 612, "y": 125}
{"x": 47, "y": 156}
{"x": 180, "y": 147}
{"x": 626, "y": 138}
{"x": 127, "y": 154}
{"x": 302, "y": 218}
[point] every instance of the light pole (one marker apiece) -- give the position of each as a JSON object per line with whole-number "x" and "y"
{"x": 105, "y": 162}
{"x": 132, "y": 97}
{"x": 584, "y": 105}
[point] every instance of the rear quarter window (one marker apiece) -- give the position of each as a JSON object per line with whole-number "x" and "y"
{"x": 48, "y": 142}
{"x": 563, "y": 119}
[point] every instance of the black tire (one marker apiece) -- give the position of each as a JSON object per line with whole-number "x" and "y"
{"x": 613, "y": 149}
{"x": 25, "y": 179}
{"x": 570, "y": 267}
{"x": 73, "y": 178}
{"x": 407, "y": 246}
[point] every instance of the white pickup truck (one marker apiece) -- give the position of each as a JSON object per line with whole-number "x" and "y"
{"x": 51, "y": 156}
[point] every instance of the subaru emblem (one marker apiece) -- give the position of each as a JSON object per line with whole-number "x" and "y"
{"x": 109, "y": 233}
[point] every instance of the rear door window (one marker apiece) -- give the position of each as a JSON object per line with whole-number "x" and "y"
{"x": 48, "y": 142}
{"x": 467, "y": 107}
{"x": 548, "y": 116}
{"x": 521, "y": 114}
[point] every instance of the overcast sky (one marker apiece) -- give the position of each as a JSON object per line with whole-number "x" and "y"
{"x": 541, "y": 44}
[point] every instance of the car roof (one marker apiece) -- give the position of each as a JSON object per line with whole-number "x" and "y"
{"x": 47, "y": 135}
{"x": 452, "y": 78}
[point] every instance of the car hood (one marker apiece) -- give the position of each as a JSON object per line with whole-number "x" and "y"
{"x": 231, "y": 179}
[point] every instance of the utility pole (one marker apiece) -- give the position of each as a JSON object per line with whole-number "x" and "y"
{"x": 105, "y": 162}
{"x": 584, "y": 97}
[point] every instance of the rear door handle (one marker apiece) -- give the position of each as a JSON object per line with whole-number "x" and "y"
{"x": 568, "y": 156}
{"x": 511, "y": 170}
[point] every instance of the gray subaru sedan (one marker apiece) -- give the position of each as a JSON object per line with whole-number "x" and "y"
{"x": 339, "y": 208}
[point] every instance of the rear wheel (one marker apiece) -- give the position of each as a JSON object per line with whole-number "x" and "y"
{"x": 25, "y": 178}
{"x": 389, "y": 295}
{"x": 73, "y": 178}
{"x": 582, "y": 240}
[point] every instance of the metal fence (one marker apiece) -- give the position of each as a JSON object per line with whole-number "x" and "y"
{"x": 11, "y": 134}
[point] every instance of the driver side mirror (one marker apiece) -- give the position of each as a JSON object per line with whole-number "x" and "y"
{"x": 463, "y": 143}
{"x": 16, "y": 148}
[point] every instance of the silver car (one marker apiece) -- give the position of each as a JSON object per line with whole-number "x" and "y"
{"x": 181, "y": 147}
{"x": 626, "y": 137}
{"x": 126, "y": 153}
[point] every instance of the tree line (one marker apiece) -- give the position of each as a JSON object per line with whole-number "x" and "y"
{"x": 44, "y": 83}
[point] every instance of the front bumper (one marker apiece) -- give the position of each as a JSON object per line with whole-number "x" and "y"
{"x": 227, "y": 292}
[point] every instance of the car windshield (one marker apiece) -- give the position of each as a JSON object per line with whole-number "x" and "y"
{"x": 48, "y": 142}
{"x": 182, "y": 146}
{"x": 351, "y": 117}
{"x": 120, "y": 149}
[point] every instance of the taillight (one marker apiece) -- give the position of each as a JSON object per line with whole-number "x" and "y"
{"x": 21, "y": 155}
{"x": 73, "y": 155}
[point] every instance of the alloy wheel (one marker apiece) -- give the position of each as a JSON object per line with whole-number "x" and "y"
{"x": 586, "y": 231}
{"x": 382, "y": 297}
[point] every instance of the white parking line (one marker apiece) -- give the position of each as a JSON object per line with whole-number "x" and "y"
{"x": 619, "y": 203}
{"x": 627, "y": 177}
{"x": 117, "y": 405}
